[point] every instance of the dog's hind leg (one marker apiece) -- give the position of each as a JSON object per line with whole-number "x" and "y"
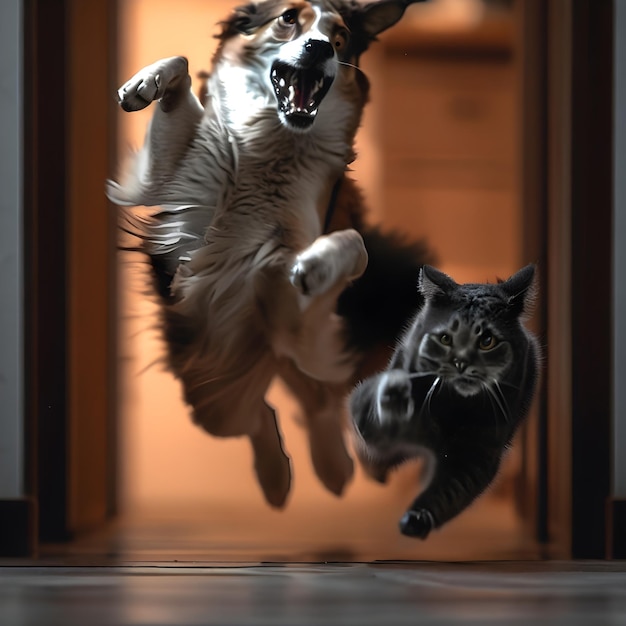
{"x": 271, "y": 464}
{"x": 233, "y": 406}
{"x": 323, "y": 409}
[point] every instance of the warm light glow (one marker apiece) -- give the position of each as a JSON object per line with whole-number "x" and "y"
{"x": 449, "y": 15}
{"x": 165, "y": 459}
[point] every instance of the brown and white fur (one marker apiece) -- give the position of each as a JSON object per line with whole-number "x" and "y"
{"x": 248, "y": 279}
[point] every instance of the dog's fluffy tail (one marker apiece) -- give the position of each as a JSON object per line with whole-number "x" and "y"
{"x": 381, "y": 303}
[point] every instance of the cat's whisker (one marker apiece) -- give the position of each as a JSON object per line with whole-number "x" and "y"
{"x": 496, "y": 393}
{"x": 429, "y": 395}
{"x": 485, "y": 387}
{"x": 503, "y": 398}
{"x": 355, "y": 67}
{"x": 508, "y": 384}
{"x": 431, "y": 391}
{"x": 421, "y": 374}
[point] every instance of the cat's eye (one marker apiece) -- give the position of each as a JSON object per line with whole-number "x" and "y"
{"x": 445, "y": 339}
{"x": 290, "y": 17}
{"x": 487, "y": 341}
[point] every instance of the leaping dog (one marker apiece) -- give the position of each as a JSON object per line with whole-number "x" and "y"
{"x": 259, "y": 246}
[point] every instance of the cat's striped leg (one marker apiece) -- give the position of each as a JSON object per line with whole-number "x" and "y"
{"x": 456, "y": 483}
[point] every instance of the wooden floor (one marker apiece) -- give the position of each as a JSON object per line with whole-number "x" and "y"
{"x": 360, "y": 594}
{"x": 208, "y": 566}
{"x": 329, "y": 530}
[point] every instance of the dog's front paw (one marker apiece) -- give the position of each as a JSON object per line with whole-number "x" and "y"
{"x": 340, "y": 256}
{"x": 417, "y": 523}
{"x": 152, "y": 83}
{"x": 310, "y": 274}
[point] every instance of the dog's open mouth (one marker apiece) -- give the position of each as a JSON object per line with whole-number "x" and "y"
{"x": 299, "y": 92}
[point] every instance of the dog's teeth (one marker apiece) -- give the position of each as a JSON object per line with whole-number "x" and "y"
{"x": 317, "y": 86}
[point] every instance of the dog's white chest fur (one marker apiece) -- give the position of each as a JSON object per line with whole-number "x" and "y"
{"x": 249, "y": 283}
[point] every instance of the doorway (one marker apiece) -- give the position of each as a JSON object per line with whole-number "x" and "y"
{"x": 440, "y": 158}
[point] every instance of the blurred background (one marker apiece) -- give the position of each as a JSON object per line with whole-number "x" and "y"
{"x": 490, "y": 133}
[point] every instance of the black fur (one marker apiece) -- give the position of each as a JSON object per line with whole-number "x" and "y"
{"x": 361, "y": 19}
{"x": 379, "y": 305}
{"x": 458, "y": 386}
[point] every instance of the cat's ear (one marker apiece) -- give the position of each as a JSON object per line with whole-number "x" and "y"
{"x": 434, "y": 283}
{"x": 521, "y": 291}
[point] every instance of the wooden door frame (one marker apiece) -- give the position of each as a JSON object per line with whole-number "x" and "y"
{"x": 568, "y": 159}
{"x": 567, "y": 194}
{"x": 70, "y": 268}
{"x": 591, "y": 273}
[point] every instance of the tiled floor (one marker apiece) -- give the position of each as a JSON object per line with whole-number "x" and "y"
{"x": 361, "y": 594}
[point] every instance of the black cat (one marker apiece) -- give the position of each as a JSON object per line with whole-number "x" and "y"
{"x": 458, "y": 385}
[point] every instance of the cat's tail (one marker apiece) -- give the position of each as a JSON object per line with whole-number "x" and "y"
{"x": 382, "y": 303}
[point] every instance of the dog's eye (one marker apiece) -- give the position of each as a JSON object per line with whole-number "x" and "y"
{"x": 341, "y": 39}
{"x": 290, "y": 17}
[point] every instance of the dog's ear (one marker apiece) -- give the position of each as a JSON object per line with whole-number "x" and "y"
{"x": 379, "y": 16}
{"x": 367, "y": 21}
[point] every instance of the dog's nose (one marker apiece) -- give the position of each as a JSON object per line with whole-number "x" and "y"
{"x": 316, "y": 51}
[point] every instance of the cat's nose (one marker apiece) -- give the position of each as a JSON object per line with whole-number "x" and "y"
{"x": 460, "y": 364}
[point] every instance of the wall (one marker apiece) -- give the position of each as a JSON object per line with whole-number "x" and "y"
{"x": 11, "y": 405}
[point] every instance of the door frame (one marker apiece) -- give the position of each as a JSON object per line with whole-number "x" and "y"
{"x": 70, "y": 264}
{"x": 568, "y": 160}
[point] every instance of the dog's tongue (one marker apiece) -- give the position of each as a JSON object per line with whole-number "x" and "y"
{"x": 302, "y": 94}
{"x": 299, "y": 92}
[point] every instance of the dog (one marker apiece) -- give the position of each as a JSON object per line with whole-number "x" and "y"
{"x": 258, "y": 241}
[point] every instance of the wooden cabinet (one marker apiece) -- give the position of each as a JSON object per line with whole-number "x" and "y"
{"x": 447, "y": 131}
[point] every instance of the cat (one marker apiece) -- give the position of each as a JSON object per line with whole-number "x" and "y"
{"x": 459, "y": 383}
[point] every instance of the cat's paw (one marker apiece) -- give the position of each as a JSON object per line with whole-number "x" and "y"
{"x": 394, "y": 399}
{"x": 152, "y": 82}
{"x": 417, "y": 523}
